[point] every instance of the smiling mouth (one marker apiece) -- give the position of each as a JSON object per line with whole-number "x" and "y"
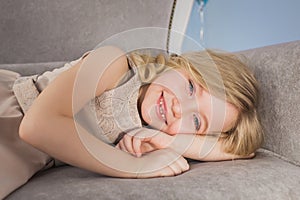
{"x": 161, "y": 108}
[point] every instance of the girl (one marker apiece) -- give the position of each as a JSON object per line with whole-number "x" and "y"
{"x": 58, "y": 122}
{"x": 239, "y": 133}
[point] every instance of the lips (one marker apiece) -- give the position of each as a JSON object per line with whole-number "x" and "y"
{"x": 161, "y": 108}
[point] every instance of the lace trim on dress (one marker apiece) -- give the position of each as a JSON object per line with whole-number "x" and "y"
{"x": 25, "y": 91}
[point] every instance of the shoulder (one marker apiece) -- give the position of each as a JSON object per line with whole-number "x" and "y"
{"x": 112, "y": 61}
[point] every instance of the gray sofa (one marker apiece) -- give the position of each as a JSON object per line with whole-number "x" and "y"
{"x": 273, "y": 174}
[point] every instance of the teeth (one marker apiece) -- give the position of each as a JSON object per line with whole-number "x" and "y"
{"x": 161, "y": 110}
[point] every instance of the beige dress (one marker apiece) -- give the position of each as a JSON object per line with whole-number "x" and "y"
{"x": 20, "y": 161}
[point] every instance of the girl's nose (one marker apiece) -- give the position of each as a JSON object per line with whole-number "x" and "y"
{"x": 176, "y": 108}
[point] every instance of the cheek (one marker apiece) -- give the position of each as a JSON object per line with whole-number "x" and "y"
{"x": 167, "y": 80}
{"x": 184, "y": 126}
{"x": 231, "y": 116}
{"x": 172, "y": 129}
{"x": 149, "y": 102}
{"x": 151, "y": 94}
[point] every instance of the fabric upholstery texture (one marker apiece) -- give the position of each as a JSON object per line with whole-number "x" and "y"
{"x": 32, "y": 68}
{"x": 264, "y": 177}
{"x": 35, "y": 31}
{"x": 277, "y": 68}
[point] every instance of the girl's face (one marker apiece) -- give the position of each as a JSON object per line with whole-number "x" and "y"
{"x": 174, "y": 103}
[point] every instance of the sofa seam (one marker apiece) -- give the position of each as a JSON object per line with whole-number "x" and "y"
{"x": 279, "y": 156}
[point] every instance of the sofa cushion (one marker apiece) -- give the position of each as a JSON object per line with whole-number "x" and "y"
{"x": 32, "y": 68}
{"x": 44, "y": 31}
{"x": 277, "y": 68}
{"x": 264, "y": 177}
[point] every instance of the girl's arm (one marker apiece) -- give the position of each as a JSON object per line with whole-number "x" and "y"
{"x": 199, "y": 147}
{"x": 195, "y": 147}
{"x": 49, "y": 125}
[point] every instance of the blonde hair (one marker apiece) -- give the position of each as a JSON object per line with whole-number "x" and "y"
{"x": 238, "y": 83}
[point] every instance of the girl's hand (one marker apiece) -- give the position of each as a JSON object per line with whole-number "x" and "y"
{"x": 144, "y": 140}
{"x": 174, "y": 163}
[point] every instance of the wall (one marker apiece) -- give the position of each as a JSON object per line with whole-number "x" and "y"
{"x": 235, "y": 25}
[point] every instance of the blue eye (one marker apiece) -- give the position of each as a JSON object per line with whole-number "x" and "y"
{"x": 191, "y": 88}
{"x": 196, "y": 122}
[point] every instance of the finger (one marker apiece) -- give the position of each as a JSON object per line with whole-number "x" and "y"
{"x": 136, "y": 143}
{"x": 183, "y": 163}
{"x": 167, "y": 171}
{"x": 179, "y": 166}
{"x": 146, "y": 148}
{"x": 142, "y": 142}
{"x": 128, "y": 143}
{"x": 176, "y": 168}
{"x": 122, "y": 146}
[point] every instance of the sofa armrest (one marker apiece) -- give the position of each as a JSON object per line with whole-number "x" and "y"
{"x": 277, "y": 68}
